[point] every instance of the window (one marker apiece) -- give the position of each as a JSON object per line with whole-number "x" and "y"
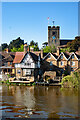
{"x": 49, "y": 56}
{"x": 72, "y": 56}
{"x": 18, "y": 71}
{"x": 28, "y": 64}
{"x": 6, "y": 64}
{"x": 73, "y": 63}
{"x": 10, "y": 63}
{"x": 55, "y": 41}
{"x": 53, "y": 33}
{"x": 62, "y": 63}
{"x": 72, "y": 69}
{"x": 51, "y": 63}
{"x": 61, "y": 56}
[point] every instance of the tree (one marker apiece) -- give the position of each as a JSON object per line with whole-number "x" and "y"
{"x": 74, "y": 45}
{"x": 48, "y": 49}
{"x": 65, "y": 49}
{"x": 34, "y": 45}
{"x": 16, "y": 43}
{"x": 21, "y": 49}
{"x": 45, "y": 44}
{"x": 3, "y": 46}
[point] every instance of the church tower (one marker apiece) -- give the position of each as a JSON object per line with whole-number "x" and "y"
{"x": 53, "y": 36}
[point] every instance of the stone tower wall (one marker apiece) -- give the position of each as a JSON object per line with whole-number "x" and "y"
{"x": 53, "y": 35}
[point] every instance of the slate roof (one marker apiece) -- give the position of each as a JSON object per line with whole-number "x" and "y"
{"x": 4, "y": 56}
{"x": 64, "y": 41}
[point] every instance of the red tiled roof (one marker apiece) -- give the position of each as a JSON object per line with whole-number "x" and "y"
{"x": 18, "y": 57}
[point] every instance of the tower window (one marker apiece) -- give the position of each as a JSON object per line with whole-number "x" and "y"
{"x": 55, "y": 41}
{"x": 53, "y": 33}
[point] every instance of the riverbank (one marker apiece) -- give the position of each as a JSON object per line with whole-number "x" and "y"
{"x": 10, "y": 83}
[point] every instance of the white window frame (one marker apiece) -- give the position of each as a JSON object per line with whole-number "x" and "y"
{"x": 73, "y": 63}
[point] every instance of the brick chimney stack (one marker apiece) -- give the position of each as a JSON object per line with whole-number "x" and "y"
{"x": 26, "y": 48}
{"x": 41, "y": 53}
{"x": 31, "y": 49}
{"x": 58, "y": 50}
{"x": 79, "y": 50}
{"x": 7, "y": 50}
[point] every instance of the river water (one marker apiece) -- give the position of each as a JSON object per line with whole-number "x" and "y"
{"x": 38, "y": 102}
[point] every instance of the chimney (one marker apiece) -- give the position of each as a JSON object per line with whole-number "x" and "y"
{"x": 58, "y": 51}
{"x": 7, "y": 50}
{"x": 79, "y": 50}
{"x": 31, "y": 49}
{"x": 41, "y": 53}
{"x": 26, "y": 48}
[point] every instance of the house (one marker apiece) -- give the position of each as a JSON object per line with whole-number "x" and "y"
{"x": 33, "y": 65}
{"x": 26, "y": 66}
{"x": 6, "y": 64}
{"x": 59, "y": 62}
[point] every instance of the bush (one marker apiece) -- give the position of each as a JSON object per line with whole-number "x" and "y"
{"x": 72, "y": 80}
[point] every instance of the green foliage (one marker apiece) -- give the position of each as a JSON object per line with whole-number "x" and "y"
{"x": 65, "y": 49}
{"x": 48, "y": 49}
{"x": 16, "y": 43}
{"x": 45, "y": 44}
{"x": 34, "y": 83}
{"x": 74, "y": 45}
{"x": 72, "y": 80}
{"x": 34, "y": 45}
{"x": 3, "y": 46}
{"x": 21, "y": 49}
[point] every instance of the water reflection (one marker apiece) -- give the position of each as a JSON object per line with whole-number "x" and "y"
{"x": 39, "y": 102}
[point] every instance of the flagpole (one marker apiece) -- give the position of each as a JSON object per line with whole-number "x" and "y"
{"x": 48, "y": 21}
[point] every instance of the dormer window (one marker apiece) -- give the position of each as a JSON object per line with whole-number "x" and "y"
{"x": 72, "y": 56}
{"x": 73, "y": 63}
{"x": 51, "y": 63}
{"x": 49, "y": 56}
{"x": 62, "y": 63}
{"x": 61, "y": 56}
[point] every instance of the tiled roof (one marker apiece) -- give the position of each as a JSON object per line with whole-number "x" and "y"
{"x": 18, "y": 57}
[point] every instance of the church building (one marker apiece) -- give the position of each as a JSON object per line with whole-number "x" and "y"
{"x": 54, "y": 37}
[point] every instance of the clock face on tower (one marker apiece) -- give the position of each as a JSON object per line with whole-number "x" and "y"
{"x": 53, "y": 37}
